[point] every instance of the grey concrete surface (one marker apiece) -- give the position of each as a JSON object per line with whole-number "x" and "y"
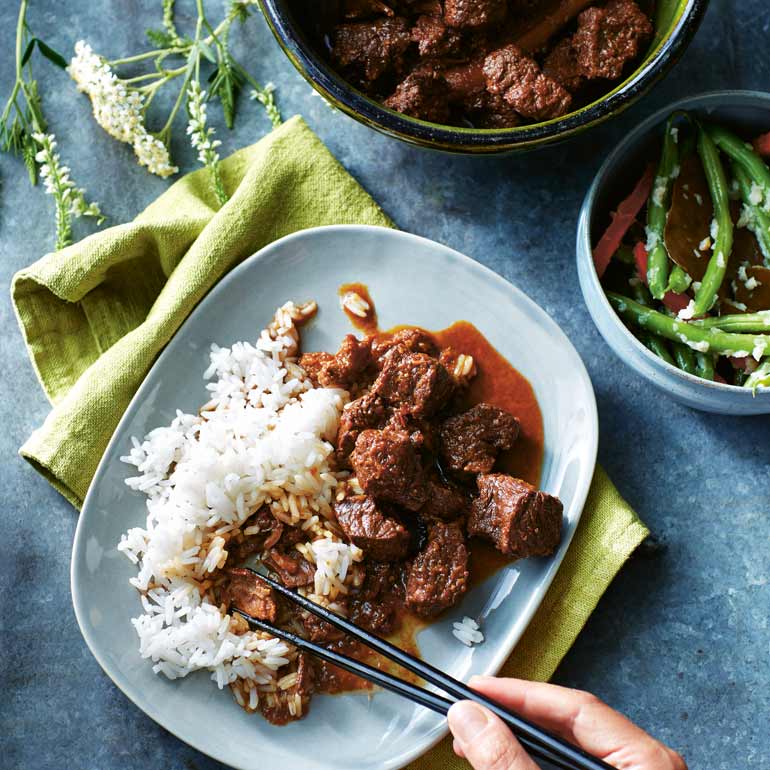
{"x": 680, "y": 642}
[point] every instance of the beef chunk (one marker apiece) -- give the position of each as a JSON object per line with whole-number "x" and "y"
{"x": 363, "y": 522}
{"x": 407, "y": 340}
{"x": 366, "y": 412}
{"x": 380, "y": 580}
{"x": 376, "y": 617}
{"x": 467, "y": 84}
{"x": 415, "y": 381}
{"x": 422, "y": 431}
{"x": 445, "y": 501}
{"x": 267, "y": 537}
{"x": 317, "y": 629}
{"x": 290, "y": 537}
{"x": 521, "y": 83}
{"x": 432, "y": 34}
{"x": 247, "y": 592}
{"x": 438, "y": 575}
{"x": 367, "y": 50}
{"x": 495, "y": 112}
{"x": 275, "y": 705}
{"x": 293, "y": 570}
{"x": 314, "y": 364}
{"x": 474, "y": 13}
{"x": 608, "y": 38}
{"x": 562, "y": 65}
{"x": 389, "y": 468}
{"x": 471, "y": 441}
{"x": 422, "y": 95}
{"x": 516, "y": 517}
{"x": 341, "y": 369}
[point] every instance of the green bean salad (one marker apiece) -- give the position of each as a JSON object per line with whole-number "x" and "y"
{"x": 685, "y": 261}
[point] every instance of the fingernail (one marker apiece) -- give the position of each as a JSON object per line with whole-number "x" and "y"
{"x": 467, "y": 721}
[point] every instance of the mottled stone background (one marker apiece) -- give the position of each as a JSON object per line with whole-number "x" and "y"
{"x": 680, "y": 642}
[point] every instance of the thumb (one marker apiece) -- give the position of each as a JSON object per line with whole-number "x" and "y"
{"x": 485, "y": 740}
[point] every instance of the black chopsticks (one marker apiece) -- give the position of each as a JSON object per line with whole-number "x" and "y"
{"x": 536, "y": 740}
{"x": 407, "y": 690}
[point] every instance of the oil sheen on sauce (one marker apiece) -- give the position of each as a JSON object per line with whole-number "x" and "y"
{"x": 497, "y": 383}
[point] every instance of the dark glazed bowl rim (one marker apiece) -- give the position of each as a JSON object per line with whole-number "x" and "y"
{"x": 345, "y": 97}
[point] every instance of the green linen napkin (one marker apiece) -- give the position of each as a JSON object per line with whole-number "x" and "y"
{"x": 96, "y": 314}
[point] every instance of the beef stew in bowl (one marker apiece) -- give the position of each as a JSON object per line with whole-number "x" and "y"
{"x": 450, "y": 76}
{"x": 485, "y": 63}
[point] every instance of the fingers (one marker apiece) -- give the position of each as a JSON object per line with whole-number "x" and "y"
{"x": 484, "y": 740}
{"x": 553, "y": 707}
{"x": 582, "y": 719}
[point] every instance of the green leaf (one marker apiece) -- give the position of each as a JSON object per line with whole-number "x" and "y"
{"x": 28, "y": 51}
{"x": 207, "y": 51}
{"x": 159, "y": 38}
{"x": 51, "y": 55}
{"x": 226, "y": 85}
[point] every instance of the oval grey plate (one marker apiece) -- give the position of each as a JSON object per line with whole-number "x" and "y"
{"x": 414, "y": 281}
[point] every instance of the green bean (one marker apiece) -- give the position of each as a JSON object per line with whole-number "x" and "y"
{"x": 759, "y": 218}
{"x": 704, "y": 367}
{"x": 760, "y": 377}
{"x": 700, "y": 339}
{"x": 684, "y": 357}
{"x": 655, "y": 344}
{"x": 687, "y": 145}
{"x": 679, "y": 281}
{"x": 641, "y": 293}
{"x": 723, "y": 245}
{"x": 657, "y": 208}
{"x": 658, "y": 346}
{"x": 742, "y": 153}
{"x": 758, "y": 322}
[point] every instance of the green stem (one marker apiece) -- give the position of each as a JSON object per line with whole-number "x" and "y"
{"x": 20, "y": 37}
{"x": 164, "y": 132}
{"x": 161, "y": 53}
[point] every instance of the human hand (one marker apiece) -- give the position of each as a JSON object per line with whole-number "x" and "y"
{"x": 579, "y": 717}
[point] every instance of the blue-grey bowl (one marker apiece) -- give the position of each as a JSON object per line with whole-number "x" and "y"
{"x": 745, "y": 111}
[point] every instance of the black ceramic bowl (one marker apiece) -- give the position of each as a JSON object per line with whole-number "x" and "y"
{"x": 676, "y": 21}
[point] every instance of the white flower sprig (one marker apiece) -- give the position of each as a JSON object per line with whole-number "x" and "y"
{"x": 201, "y": 137}
{"x": 265, "y": 96}
{"x": 120, "y": 103}
{"x": 118, "y": 109}
{"x": 70, "y": 199}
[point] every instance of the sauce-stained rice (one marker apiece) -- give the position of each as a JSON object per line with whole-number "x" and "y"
{"x": 263, "y": 437}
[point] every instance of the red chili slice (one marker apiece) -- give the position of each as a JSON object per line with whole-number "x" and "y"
{"x": 622, "y": 219}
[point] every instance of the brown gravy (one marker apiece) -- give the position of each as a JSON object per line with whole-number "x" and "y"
{"x": 497, "y": 383}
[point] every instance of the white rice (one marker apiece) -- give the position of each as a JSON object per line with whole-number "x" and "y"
{"x": 467, "y": 631}
{"x": 263, "y": 437}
